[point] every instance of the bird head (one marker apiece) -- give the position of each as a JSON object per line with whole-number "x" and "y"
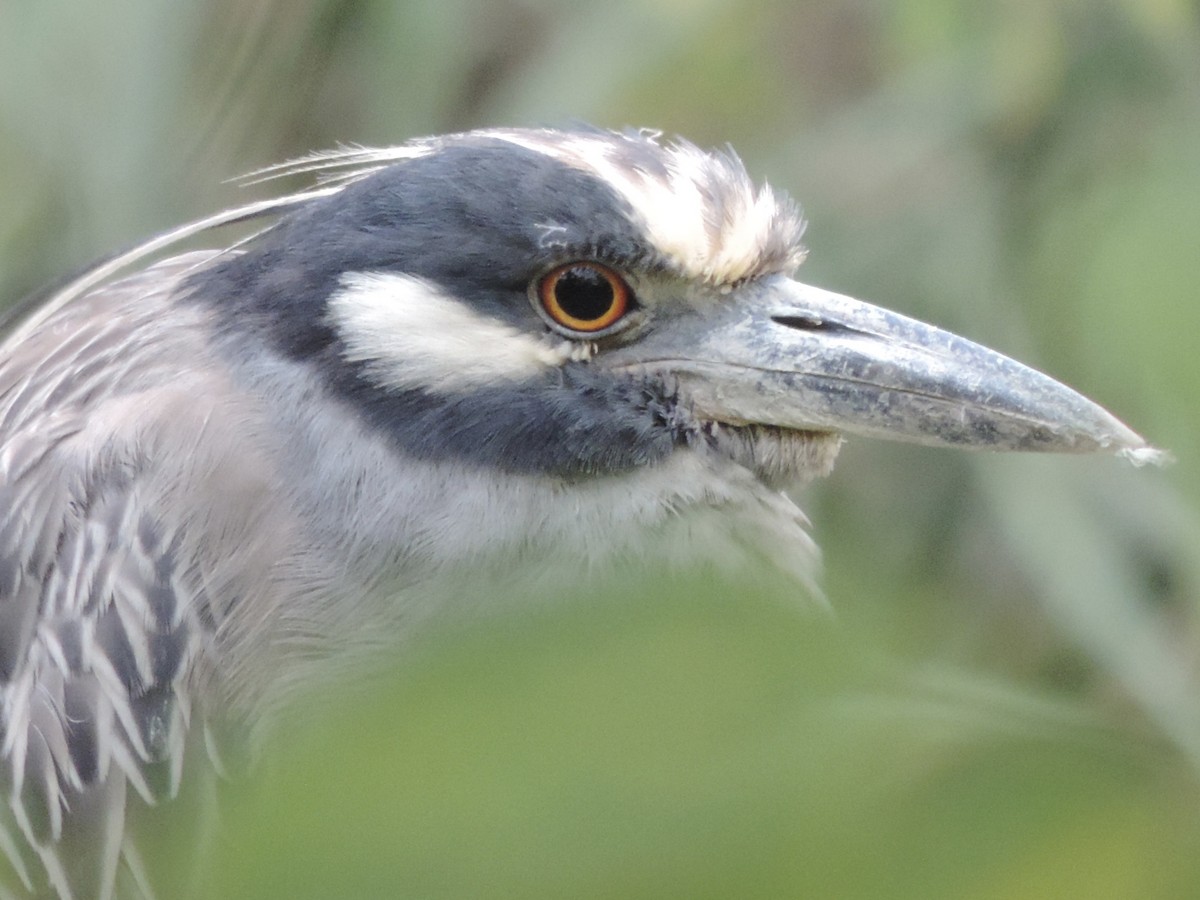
{"x": 581, "y": 303}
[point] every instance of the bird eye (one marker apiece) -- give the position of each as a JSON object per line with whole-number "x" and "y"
{"x": 584, "y": 296}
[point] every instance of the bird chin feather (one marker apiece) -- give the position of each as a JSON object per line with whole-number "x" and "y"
{"x": 779, "y": 457}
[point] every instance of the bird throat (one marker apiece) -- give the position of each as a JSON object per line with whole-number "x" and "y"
{"x": 779, "y": 457}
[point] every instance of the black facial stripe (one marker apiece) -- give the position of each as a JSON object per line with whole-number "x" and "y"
{"x": 576, "y": 421}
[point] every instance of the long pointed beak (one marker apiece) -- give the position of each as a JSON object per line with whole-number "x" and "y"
{"x": 786, "y": 354}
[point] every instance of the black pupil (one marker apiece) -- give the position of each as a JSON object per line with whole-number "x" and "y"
{"x": 583, "y": 293}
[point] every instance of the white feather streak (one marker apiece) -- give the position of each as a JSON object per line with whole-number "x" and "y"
{"x": 719, "y": 246}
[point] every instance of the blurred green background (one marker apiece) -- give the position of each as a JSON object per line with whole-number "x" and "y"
{"x": 1006, "y": 702}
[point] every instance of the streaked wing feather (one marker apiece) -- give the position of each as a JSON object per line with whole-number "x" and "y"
{"x": 98, "y": 629}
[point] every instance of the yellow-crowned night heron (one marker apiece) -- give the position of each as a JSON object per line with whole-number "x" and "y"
{"x": 227, "y": 473}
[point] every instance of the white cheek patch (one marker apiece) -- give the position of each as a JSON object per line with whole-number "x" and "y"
{"x": 411, "y": 334}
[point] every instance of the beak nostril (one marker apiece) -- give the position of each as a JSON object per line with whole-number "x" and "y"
{"x": 809, "y": 323}
{"x": 800, "y": 323}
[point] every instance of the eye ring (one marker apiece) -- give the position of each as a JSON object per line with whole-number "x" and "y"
{"x": 584, "y": 297}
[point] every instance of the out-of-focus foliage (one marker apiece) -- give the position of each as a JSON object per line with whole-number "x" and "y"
{"x": 708, "y": 745}
{"x": 1008, "y": 702}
